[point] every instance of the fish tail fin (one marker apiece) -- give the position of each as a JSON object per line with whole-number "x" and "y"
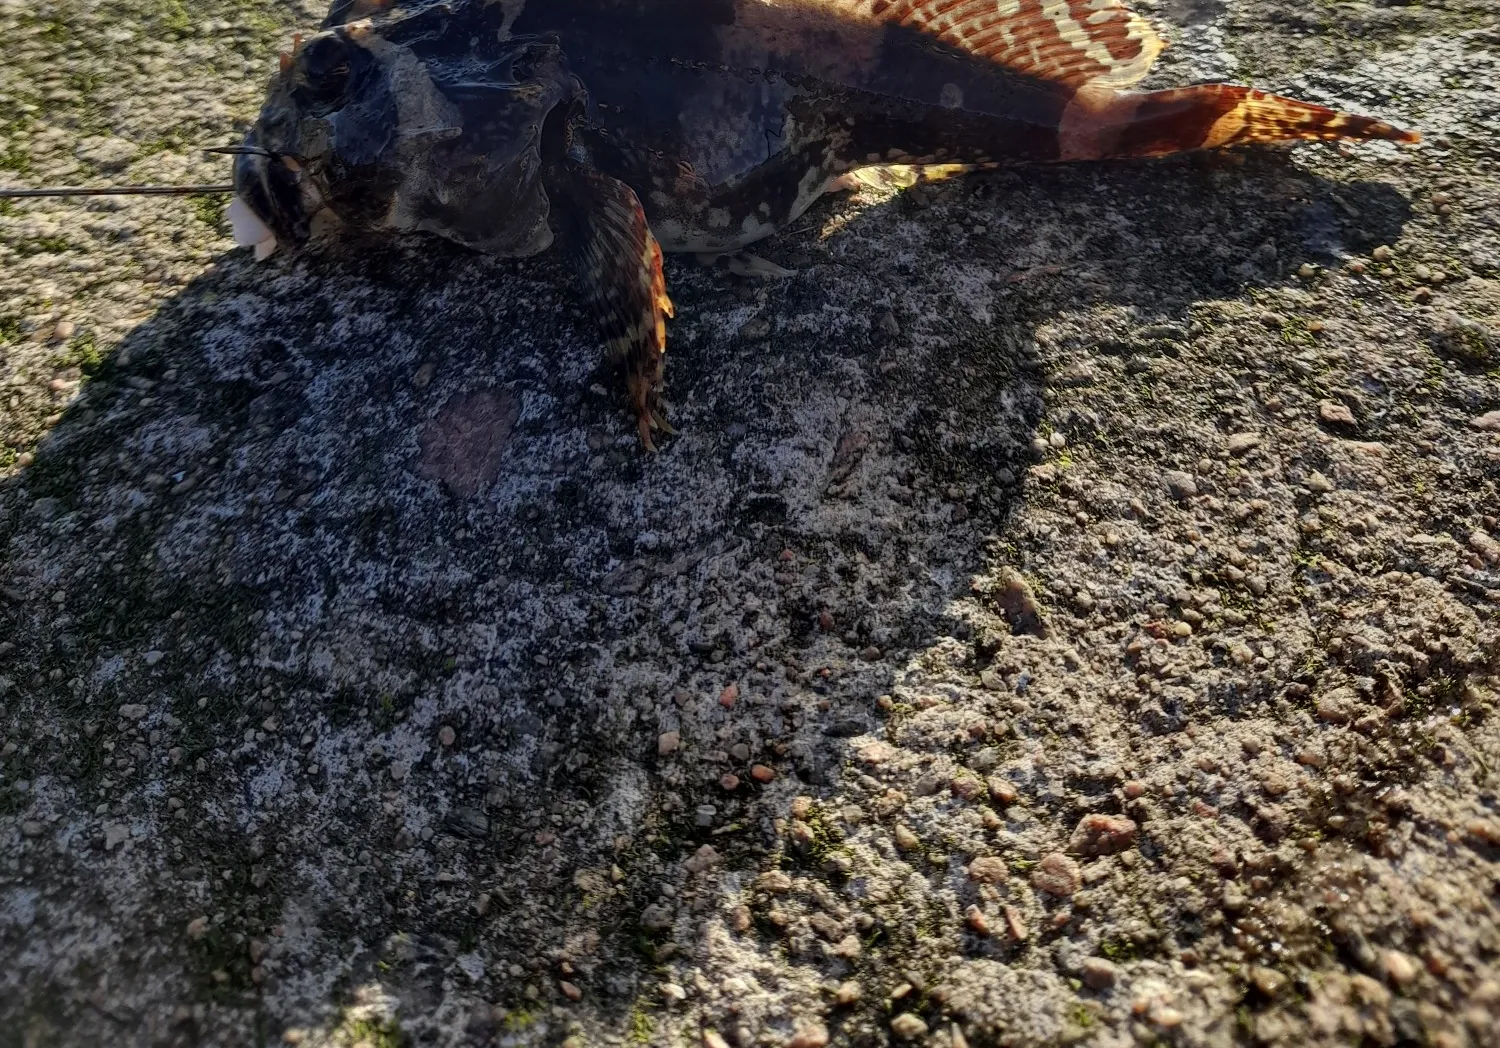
{"x": 1103, "y": 124}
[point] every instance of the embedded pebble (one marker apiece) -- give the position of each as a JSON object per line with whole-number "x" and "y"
{"x": 977, "y": 921}
{"x": 1242, "y": 443}
{"x": 1099, "y": 973}
{"x": 1180, "y": 484}
{"x": 988, "y": 869}
{"x": 1268, "y": 980}
{"x": 1400, "y": 968}
{"x": 1057, "y": 875}
{"x": 812, "y": 1035}
{"x": 1335, "y": 413}
{"x": 1102, "y": 835}
{"x": 908, "y": 1027}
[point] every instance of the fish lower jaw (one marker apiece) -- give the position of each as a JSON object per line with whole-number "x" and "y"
{"x": 249, "y": 230}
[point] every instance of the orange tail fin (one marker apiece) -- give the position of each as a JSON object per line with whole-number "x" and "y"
{"x": 1113, "y": 125}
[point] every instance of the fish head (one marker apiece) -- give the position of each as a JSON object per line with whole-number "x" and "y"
{"x": 415, "y": 122}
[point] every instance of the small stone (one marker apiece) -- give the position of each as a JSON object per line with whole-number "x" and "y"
{"x": 1383, "y": 253}
{"x": 908, "y": 1027}
{"x": 729, "y": 695}
{"x": 197, "y": 927}
{"x": 1337, "y": 706}
{"x": 1336, "y": 414}
{"x": 115, "y": 835}
{"x": 64, "y": 330}
{"x": 1099, "y": 973}
{"x": 871, "y": 654}
{"x": 988, "y": 869}
{"x": 1181, "y": 485}
{"x": 1102, "y": 835}
{"x": 1241, "y": 443}
{"x": 1487, "y": 548}
{"x": 1057, "y": 875}
{"x": 702, "y": 860}
{"x": 1015, "y": 924}
{"x": 667, "y": 743}
{"x": 762, "y": 773}
{"x": 714, "y": 1039}
{"x": 570, "y": 990}
{"x": 656, "y": 918}
{"x": 422, "y": 377}
{"x": 1268, "y": 980}
{"x": 906, "y": 840}
{"x": 447, "y": 736}
{"x": 1002, "y": 791}
{"x": 32, "y": 828}
{"x": 774, "y": 881}
{"x": 848, "y": 993}
{"x": 755, "y": 328}
{"x": 965, "y": 787}
{"x": 729, "y": 782}
{"x": 1317, "y": 482}
{"x": 132, "y": 711}
{"x": 1019, "y": 605}
{"x": 976, "y": 920}
{"x": 813, "y": 1035}
{"x": 1484, "y": 830}
{"x": 1400, "y": 968}
{"x": 1490, "y": 420}
{"x": 1165, "y": 1016}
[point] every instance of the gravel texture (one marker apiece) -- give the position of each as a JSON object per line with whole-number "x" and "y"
{"x": 1068, "y": 615}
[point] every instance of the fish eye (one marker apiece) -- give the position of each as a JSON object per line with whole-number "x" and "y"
{"x": 324, "y": 68}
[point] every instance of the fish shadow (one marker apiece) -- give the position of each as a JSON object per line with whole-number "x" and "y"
{"x": 369, "y": 494}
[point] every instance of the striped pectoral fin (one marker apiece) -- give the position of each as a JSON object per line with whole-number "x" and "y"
{"x": 620, "y": 266}
{"x": 1114, "y": 125}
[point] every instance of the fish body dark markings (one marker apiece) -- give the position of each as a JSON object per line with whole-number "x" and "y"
{"x": 622, "y": 128}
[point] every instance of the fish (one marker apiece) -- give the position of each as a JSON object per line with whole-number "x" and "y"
{"x": 613, "y": 131}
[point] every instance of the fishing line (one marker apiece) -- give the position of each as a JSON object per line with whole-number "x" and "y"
{"x": 67, "y": 191}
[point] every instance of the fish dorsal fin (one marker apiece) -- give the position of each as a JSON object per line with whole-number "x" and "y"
{"x": 1076, "y": 42}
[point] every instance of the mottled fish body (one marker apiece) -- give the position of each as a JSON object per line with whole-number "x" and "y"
{"x": 621, "y": 128}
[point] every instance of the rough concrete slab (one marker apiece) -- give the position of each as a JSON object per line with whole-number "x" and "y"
{"x": 1068, "y": 614}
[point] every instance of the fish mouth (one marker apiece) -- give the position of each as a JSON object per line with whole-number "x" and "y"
{"x": 278, "y": 204}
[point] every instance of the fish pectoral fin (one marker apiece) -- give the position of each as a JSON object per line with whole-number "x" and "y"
{"x": 619, "y": 263}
